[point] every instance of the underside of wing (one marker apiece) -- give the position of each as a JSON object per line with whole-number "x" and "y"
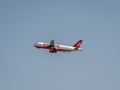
{"x": 52, "y": 48}
{"x": 52, "y": 44}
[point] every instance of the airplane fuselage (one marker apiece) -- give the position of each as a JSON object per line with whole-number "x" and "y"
{"x": 62, "y": 48}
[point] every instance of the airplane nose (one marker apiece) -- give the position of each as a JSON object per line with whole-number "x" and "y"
{"x": 34, "y": 45}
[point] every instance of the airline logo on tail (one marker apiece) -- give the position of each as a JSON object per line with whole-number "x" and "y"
{"x": 77, "y": 45}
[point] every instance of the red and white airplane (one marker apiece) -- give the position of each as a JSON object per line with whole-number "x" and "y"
{"x": 54, "y": 48}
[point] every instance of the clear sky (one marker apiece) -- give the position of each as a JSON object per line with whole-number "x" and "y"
{"x": 24, "y": 22}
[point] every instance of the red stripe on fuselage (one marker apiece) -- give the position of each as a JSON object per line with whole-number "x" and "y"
{"x": 41, "y": 47}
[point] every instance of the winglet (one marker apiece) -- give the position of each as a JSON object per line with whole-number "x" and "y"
{"x": 77, "y": 45}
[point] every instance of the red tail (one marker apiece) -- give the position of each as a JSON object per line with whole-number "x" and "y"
{"x": 77, "y": 45}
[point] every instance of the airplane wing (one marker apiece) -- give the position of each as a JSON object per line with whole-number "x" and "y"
{"x": 52, "y": 44}
{"x": 52, "y": 47}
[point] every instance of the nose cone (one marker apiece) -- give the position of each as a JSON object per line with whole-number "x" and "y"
{"x": 35, "y": 45}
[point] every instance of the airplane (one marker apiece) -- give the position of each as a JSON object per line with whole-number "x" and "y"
{"x": 54, "y": 48}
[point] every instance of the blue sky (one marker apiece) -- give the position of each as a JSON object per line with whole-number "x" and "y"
{"x": 24, "y": 22}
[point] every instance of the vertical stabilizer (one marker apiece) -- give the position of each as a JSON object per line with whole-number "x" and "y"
{"x": 77, "y": 45}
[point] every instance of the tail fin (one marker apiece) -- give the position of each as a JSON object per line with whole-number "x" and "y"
{"x": 77, "y": 45}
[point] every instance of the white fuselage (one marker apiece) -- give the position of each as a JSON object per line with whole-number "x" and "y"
{"x": 69, "y": 48}
{"x": 58, "y": 47}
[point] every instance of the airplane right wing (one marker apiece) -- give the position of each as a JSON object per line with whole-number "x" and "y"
{"x": 52, "y": 44}
{"x": 52, "y": 47}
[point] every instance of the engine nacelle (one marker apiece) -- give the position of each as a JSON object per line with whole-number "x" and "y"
{"x": 52, "y": 51}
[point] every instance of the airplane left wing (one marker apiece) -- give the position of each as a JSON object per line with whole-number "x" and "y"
{"x": 52, "y": 47}
{"x": 52, "y": 44}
